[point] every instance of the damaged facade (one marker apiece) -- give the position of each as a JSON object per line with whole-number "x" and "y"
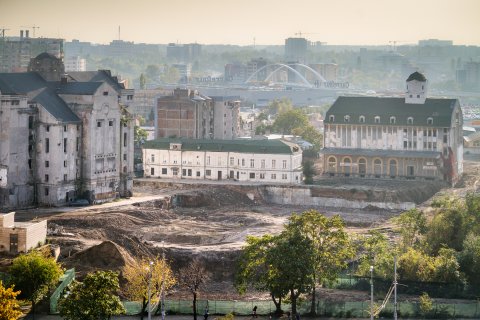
{"x": 63, "y": 137}
{"x": 267, "y": 161}
{"x": 389, "y": 137}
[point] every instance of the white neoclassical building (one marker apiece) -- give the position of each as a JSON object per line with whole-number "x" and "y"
{"x": 269, "y": 161}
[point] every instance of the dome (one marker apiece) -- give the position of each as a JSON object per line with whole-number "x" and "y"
{"x": 416, "y": 76}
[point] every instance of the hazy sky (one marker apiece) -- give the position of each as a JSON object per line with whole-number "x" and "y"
{"x": 240, "y": 21}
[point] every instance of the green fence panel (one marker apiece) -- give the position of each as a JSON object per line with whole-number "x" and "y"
{"x": 132, "y": 307}
{"x": 65, "y": 280}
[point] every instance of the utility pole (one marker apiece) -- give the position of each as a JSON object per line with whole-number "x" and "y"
{"x": 395, "y": 287}
{"x": 371, "y": 292}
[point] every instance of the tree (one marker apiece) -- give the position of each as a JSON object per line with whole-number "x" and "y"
{"x": 143, "y": 81}
{"x": 426, "y": 304}
{"x": 377, "y": 252}
{"x": 139, "y": 134}
{"x": 93, "y": 299}
{"x": 470, "y": 259}
{"x": 170, "y": 75}
{"x": 279, "y": 106}
{"x": 308, "y": 171}
{"x": 292, "y": 264}
{"x": 34, "y": 274}
{"x": 141, "y": 272}
{"x": 254, "y": 269}
{"x": 152, "y": 71}
{"x": 331, "y": 245}
{"x": 9, "y": 307}
{"x": 413, "y": 224}
{"x": 310, "y": 134}
{"x": 193, "y": 277}
{"x": 289, "y": 120}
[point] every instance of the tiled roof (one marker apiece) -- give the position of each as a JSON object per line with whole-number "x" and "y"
{"x": 96, "y": 76}
{"x": 440, "y": 110}
{"x": 80, "y": 88}
{"x": 38, "y": 90}
{"x": 245, "y": 146}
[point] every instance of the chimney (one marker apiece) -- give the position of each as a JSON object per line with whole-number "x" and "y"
{"x": 21, "y": 34}
{"x": 26, "y": 33}
{"x": 64, "y": 79}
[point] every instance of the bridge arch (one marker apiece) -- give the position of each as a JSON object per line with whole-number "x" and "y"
{"x": 280, "y": 66}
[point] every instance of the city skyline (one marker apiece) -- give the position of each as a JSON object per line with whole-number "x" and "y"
{"x": 268, "y": 22}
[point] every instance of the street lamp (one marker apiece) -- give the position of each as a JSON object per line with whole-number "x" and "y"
{"x": 371, "y": 292}
{"x": 149, "y": 285}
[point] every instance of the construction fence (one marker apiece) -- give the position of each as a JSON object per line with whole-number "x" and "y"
{"x": 358, "y": 309}
{"x": 65, "y": 280}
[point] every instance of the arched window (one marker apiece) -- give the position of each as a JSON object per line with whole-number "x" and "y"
{"x": 410, "y": 120}
{"x": 361, "y": 119}
{"x": 393, "y": 168}
{"x": 430, "y": 120}
{"x": 377, "y": 168}
{"x": 346, "y": 118}
{"x": 362, "y": 167}
{"x": 377, "y": 119}
{"x": 331, "y": 118}
{"x": 332, "y": 165}
{"x": 393, "y": 120}
{"x": 347, "y": 166}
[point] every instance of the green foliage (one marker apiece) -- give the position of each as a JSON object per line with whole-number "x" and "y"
{"x": 153, "y": 71}
{"x": 93, "y": 299}
{"x": 412, "y": 224}
{"x": 34, "y": 274}
{"x": 377, "y": 252}
{"x": 310, "y": 134}
{"x": 9, "y": 307}
{"x": 170, "y": 75}
{"x": 279, "y": 106}
{"x": 426, "y": 303}
{"x": 143, "y": 81}
{"x": 308, "y": 171}
{"x": 289, "y": 120}
{"x": 228, "y": 316}
{"x": 470, "y": 259}
{"x": 263, "y": 129}
{"x": 139, "y": 134}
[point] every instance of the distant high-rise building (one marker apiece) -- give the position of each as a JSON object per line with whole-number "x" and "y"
{"x": 16, "y": 52}
{"x": 75, "y": 63}
{"x": 235, "y": 72}
{"x": 296, "y": 50}
{"x": 435, "y": 43}
{"x": 184, "y": 53}
{"x": 255, "y": 65}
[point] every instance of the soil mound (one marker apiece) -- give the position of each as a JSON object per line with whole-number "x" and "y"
{"x": 105, "y": 256}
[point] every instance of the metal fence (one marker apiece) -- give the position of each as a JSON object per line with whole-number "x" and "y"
{"x": 66, "y": 279}
{"x": 357, "y": 309}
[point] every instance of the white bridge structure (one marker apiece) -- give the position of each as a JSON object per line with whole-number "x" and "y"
{"x": 292, "y": 67}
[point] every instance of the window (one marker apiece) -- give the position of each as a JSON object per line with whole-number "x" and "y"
{"x": 346, "y": 118}
{"x": 361, "y": 119}
{"x": 409, "y": 120}
{"x": 273, "y": 164}
{"x": 65, "y": 145}
{"x": 331, "y": 118}
{"x": 208, "y": 160}
{"x": 184, "y": 172}
{"x": 262, "y": 175}
{"x": 418, "y": 96}
{"x": 65, "y": 164}
{"x": 404, "y": 144}
{"x": 65, "y": 177}
{"x": 152, "y": 171}
{"x": 46, "y": 178}
{"x": 152, "y": 158}
{"x": 252, "y": 175}
{"x": 429, "y": 120}
{"x": 243, "y": 162}
{"x": 105, "y": 93}
{"x": 124, "y": 156}
{"x": 198, "y": 173}
{"x": 47, "y": 164}
{"x": 164, "y": 170}
{"x": 110, "y": 123}
{"x": 273, "y": 176}
{"x": 284, "y": 164}
{"x": 175, "y": 171}
{"x": 130, "y": 97}
{"x": 46, "y": 191}
{"x": 252, "y": 163}
{"x": 392, "y": 120}
{"x": 262, "y": 163}
{"x": 284, "y": 176}
{"x": 377, "y": 119}
{"x": 64, "y": 128}
{"x": 232, "y": 161}
{"x": 47, "y": 145}
{"x": 77, "y": 144}
{"x": 124, "y": 139}
{"x": 208, "y": 173}
{"x": 48, "y": 128}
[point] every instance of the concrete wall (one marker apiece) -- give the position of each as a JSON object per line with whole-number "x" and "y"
{"x": 303, "y": 196}
{"x": 35, "y": 233}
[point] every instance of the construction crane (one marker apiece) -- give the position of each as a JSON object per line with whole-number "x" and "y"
{"x": 300, "y": 33}
{"x": 34, "y": 27}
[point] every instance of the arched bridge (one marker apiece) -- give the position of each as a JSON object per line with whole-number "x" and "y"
{"x": 292, "y": 67}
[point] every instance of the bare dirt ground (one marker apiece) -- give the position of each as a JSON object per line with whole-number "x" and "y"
{"x": 214, "y": 230}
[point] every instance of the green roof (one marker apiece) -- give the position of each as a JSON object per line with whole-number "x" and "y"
{"x": 440, "y": 110}
{"x": 416, "y": 76}
{"x": 244, "y": 146}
